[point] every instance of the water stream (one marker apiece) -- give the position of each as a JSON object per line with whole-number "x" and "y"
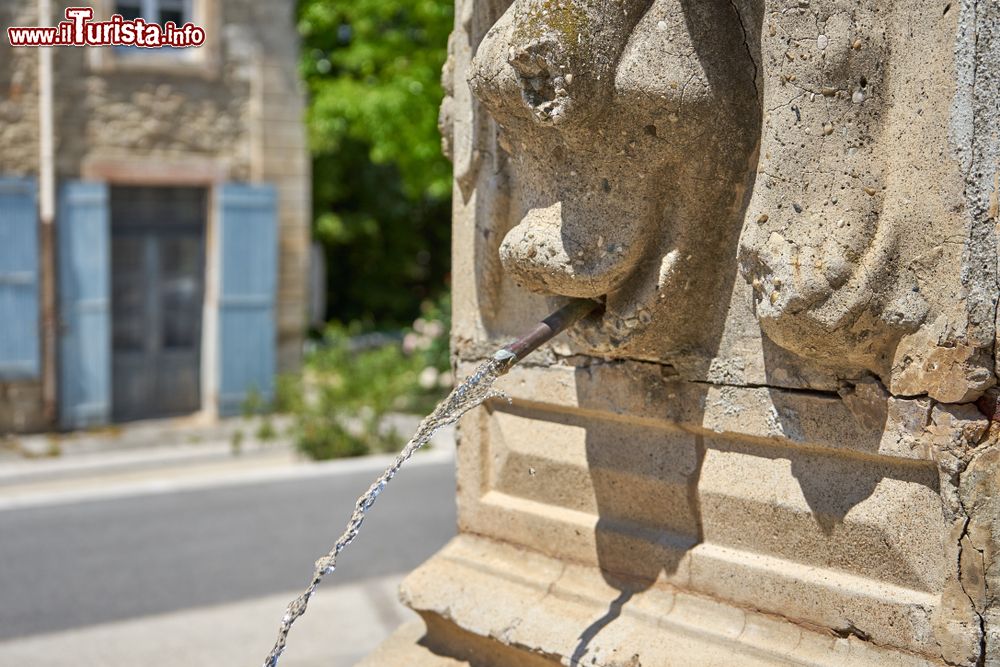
{"x": 477, "y": 389}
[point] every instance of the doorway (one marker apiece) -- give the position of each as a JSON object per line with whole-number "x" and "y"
{"x": 157, "y": 293}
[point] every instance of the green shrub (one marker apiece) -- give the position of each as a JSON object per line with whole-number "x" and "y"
{"x": 253, "y": 404}
{"x": 236, "y": 442}
{"x": 266, "y": 431}
{"x": 350, "y": 384}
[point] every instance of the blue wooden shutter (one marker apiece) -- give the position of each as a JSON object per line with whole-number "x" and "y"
{"x": 83, "y": 228}
{"x": 248, "y": 247}
{"x": 19, "y": 345}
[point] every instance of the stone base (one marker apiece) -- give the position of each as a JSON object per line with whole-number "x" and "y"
{"x": 404, "y": 648}
{"x": 438, "y": 643}
{"x": 490, "y": 604}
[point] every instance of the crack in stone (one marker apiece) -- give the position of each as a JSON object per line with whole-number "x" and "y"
{"x": 801, "y": 391}
{"x": 975, "y": 78}
{"x": 746, "y": 45}
{"x": 981, "y": 659}
{"x": 965, "y": 542}
{"x": 852, "y": 630}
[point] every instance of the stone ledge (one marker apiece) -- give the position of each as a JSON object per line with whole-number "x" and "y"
{"x": 497, "y": 594}
{"x": 891, "y": 614}
{"x": 866, "y": 423}
{"x": 403, "y": 648}
{"x": 422, "y": 643}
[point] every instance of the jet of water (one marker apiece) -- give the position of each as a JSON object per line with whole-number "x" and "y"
{"x": 475, "y": 391}
{"x": 471, "y": 393}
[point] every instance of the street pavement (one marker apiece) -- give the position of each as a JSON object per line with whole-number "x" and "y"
{"x": 193, "y": 563}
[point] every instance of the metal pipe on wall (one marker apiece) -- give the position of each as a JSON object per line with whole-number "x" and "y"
{"x": 46, "y": 215}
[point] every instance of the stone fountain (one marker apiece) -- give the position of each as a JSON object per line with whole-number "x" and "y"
{"x": 776, "y": 446}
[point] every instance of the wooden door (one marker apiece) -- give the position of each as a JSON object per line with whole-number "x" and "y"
{"x": 157, "y": 292}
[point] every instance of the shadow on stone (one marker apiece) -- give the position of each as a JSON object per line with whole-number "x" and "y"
{"x": 587, "y": 636}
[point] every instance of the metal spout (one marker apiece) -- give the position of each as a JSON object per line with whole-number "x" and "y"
{"x": 546, "y": 330}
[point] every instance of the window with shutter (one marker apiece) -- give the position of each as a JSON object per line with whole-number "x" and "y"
{"x": 19, "y": 298}
{"x": 82, "y": 232}
{"x": 248, "y": 256}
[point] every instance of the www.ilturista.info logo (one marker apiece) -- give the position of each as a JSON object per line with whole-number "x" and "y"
{"x": 79, "y": 30}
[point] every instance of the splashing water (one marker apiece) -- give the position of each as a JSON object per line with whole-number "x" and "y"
{"x": 477, "y": 389}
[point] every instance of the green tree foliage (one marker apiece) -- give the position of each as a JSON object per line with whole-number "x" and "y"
{"x": 381, "y": 187}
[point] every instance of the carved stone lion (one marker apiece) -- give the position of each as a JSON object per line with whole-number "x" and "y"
{"x": 654, "y": 146}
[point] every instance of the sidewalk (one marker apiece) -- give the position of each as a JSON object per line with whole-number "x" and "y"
{"x": 343, "y": 625}
{"x": 163, "y": 456}
{"x": 170, "y": 432}
{"x": 97, "y": 471}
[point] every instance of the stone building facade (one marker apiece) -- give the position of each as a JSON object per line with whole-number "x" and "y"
{"x": 777, "y": 444}
{"x": 139, "y": 131}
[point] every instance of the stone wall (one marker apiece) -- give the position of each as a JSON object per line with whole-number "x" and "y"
{"x": 19, "y": 101}
{"x": 777, "y": 444}
{"x": 234, "y": 112}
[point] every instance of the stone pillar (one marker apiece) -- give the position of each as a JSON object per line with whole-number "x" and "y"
{"x": 777, "y": 445}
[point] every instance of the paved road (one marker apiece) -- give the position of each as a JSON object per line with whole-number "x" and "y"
{"x": 99, "y": 561}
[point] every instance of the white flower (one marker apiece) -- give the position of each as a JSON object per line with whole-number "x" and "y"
{"x": 428, "y": 378}
{"x": 411, "y": 341}
{"x": 445, "y": 380}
